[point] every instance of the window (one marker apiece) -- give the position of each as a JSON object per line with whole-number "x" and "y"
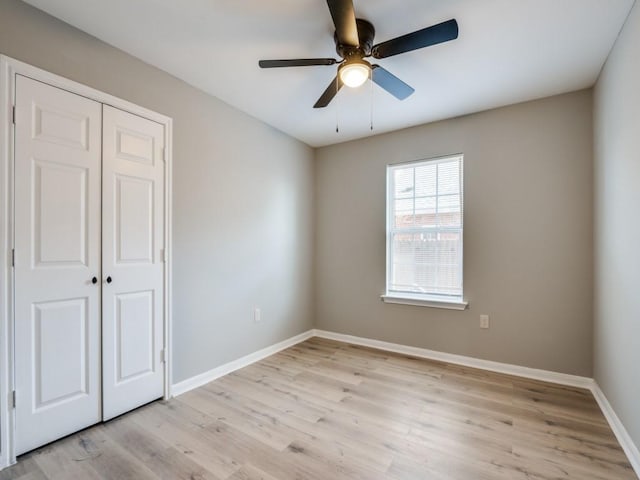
{"x": 424, "y": 233}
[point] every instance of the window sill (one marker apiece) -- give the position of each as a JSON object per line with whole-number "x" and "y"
{"x": 424, "y": 302}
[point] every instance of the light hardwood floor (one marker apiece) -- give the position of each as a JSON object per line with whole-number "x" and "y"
{"x": 326, "y": 410}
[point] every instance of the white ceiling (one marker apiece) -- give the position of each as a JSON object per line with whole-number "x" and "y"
{"x": 507, "y": 52}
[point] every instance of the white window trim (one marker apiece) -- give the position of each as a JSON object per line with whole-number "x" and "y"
{"x": 424, "y": 300}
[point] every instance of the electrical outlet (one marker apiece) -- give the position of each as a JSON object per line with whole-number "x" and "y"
{"x": 257, "y": 315}
{"x": 484, "y": 321}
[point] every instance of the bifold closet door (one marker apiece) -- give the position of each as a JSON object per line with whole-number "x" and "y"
{"x": 132, "y": 261}
{"x": 57, "y": 257}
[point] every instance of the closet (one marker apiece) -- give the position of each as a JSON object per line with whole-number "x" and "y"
{"x": 89, "y": 268}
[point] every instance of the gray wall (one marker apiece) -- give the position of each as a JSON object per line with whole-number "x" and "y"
{"x": 528, "y": 236}
{"x": 617, "y": 246}
{"x": 244, "y": 219}
{"x": 243, "y": 208}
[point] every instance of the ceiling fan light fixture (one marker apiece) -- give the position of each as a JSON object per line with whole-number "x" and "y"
{"x": 354, "y": 73}
{"x": 354, "y": 42}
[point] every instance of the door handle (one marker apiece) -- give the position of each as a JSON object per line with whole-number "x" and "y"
{"x": 109, "y": 280}
{"x": 94, "y": 280}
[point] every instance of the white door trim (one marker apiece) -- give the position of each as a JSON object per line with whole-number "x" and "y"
{"x": 9, "y": 68}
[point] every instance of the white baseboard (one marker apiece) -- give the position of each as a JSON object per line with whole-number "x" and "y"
{"x": 526, "y": 372}
{"x": 616, "y": 425}
{"x": 625, "y": 440}
{"x": 206, "y": 377}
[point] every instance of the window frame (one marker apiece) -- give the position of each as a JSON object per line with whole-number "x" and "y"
{"x": 419, "y": 299}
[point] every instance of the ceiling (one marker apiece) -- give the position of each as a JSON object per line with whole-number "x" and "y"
{"x": 507, "y": 52}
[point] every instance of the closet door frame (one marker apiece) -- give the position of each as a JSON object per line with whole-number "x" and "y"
{"x": 9, "y": 68}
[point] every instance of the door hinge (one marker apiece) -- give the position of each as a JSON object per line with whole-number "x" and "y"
{"x": 13, "y": 115}
{"x": 163, "y": 255}
{"x": 164, "y": 154}
{"x": 163, "y": 358}
{"x": 13, "y": 257}
{"x": 13, "y": 399}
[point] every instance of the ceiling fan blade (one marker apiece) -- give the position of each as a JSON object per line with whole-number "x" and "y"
{"x": 299, "y": 62}
{"x": 390, "y": 82}
{"x": 329, "y": 93}
{"x": 442, "y": 32}
{"x": 344, "y": 18}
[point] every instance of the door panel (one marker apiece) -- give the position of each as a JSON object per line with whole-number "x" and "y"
{"x": 59, "y": 125}
{"x": 135, "y": 335}
{"x": 60, "y": 206}
{"x": 60, "y": 341}
{"x": 57, "y": 238}
{"x": 135, "y": 146}
{"x": 133, "y": 226}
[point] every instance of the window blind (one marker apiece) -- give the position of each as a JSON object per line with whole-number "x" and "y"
{"x": 424, "y": 228}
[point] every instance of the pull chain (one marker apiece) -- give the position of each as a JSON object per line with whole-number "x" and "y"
{"x": 337, "y": 106}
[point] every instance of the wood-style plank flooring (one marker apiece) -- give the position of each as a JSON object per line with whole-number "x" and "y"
{"x": 325, "y": 410}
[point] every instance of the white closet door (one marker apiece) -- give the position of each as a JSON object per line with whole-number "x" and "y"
{"x": 132, "y": 264}
{"x": 57, "y": 238}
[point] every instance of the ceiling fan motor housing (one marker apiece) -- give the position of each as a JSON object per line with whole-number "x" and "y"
{"x": 366, "y": 33}
{"x": 354, "y": 42}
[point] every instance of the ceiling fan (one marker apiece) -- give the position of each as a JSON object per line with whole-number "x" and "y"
{"x": 354, "y": 42}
